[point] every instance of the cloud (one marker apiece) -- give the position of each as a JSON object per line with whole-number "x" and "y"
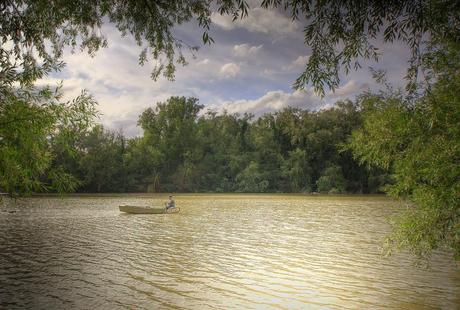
{"x": 230, "y": 70}
{"x": 126, "y": 124}
{"x": 299, "y": 62}
{"x": 272, "y": 101}
{"x": 258, "y": 20}
{"x": 350, "y": 88}
{"x": 203, "y": 62}
{"x": 265, "y": 72}
{"x": 244, "y": 50}
{"x": 223, "y": 21}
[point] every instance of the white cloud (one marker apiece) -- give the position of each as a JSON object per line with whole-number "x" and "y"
{"x": 272, "y": 101}
{"x": 230, "y": 70}
{"x": 349, "y": 89}
{"x": 258, "y": 20}
{"x": 301, "y": 61}
{"x": 124, "y": 89}
{"x": 244, "y": 50}
{"x": 298, "y": 63}
{"x": 223, "y": 21}
{"x": 203, "y": 62}
{"x": 268, "y": 72}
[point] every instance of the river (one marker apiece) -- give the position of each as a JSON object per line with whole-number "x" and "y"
{"x": 220, "y": 252}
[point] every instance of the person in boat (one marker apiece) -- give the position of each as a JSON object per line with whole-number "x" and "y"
{"x": 171, "y": 203}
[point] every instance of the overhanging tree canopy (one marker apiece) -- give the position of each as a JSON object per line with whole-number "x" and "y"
{"x": 340, "y": 33}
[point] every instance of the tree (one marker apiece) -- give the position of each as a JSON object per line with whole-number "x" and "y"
{"x": 143, "y": 163}
{"x": 340, "y": 33}
{"x": 102, "y": 161}
{"x": 33, "y": 33}
{"x": 297, "y": 170}
{"x": 267, "y": 138}
{"x": 30, "y": 121}
{"x": 223, "y": 143}
{"x": 331, "y": 181}
{"x": 171, "y": 128}
{"x": 251, "y": 180}
{"x": 419, "y": 143}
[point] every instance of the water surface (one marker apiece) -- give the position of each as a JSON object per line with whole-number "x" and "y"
{"x": 220, "y": 251}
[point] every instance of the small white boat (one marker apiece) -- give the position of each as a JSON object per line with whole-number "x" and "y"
{"x": 148, "y": 210}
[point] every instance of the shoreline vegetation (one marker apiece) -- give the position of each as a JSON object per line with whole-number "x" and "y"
{"x": 211, "y": 194}
{"x": 184, "y": 150}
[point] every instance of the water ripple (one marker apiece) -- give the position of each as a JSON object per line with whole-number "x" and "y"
{"x": 220, "y": 251}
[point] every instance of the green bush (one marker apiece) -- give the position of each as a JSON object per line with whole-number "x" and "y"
{"x": 331, "y": 181}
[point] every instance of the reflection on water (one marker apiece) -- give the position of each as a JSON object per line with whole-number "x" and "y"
{"x": 220, "y": 251}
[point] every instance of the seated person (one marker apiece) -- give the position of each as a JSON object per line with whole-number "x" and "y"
{"x": 171, "y": 203}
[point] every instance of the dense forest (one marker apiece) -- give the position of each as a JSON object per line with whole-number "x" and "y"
{"x": 185, "y": 149}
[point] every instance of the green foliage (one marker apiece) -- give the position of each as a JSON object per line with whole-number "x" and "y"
{"x": 184, "y": 149}
{"x": 142, "y": 162}
{"x": 102, "y": 162}
{"x": 296, "y": 170}
{"x": 331, "y": 181}
{"x": 34, "y": 33}
{"x": 23, "y": 147}
{"x": 30, "y": 119}
{"x": 340, "y": 33}
{"x": 419, "y": 142}
{"x": 171, "y": 129}
{"x": 251, "y": 180}
{"x": 39, "y": 30}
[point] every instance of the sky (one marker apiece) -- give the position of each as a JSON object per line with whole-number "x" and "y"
{"x": 250, "y": 68}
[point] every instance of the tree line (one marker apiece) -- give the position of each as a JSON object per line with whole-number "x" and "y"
{"x": 187, "y": 149}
